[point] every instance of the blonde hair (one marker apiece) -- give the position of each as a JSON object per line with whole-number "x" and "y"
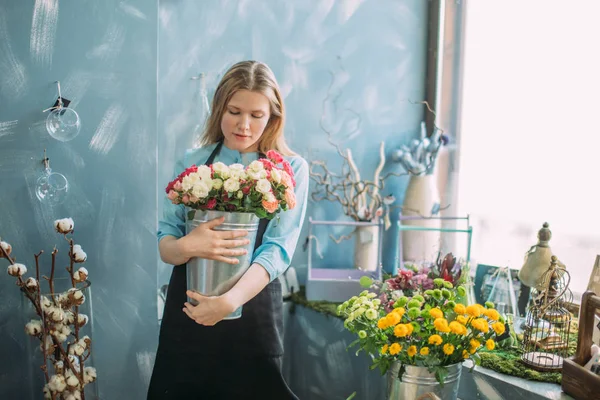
{"x": 257, "y": 77}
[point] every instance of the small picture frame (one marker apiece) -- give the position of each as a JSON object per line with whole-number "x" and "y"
{"x": 483, "y": 284}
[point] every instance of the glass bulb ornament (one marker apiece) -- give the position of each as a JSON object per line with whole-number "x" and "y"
{"x": 51, "y": 187}
{"x": 63, "y": 124}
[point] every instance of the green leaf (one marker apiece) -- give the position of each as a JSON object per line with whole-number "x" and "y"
{"x": 353, "y": 395}
{"x": 191, "y": 214}
{"x": 261, "y": 213}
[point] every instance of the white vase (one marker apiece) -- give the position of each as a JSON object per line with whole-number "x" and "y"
{"x": 366, "y": 247}
{"x": 420, "y": 198}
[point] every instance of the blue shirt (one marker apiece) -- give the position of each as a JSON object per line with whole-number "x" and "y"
{"x": 281, "y": 236}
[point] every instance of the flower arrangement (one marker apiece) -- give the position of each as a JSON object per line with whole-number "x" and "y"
{"x": 415, "y": 278}
{"x": 428, "y": 328}
{"x": 60, "y": 321}
{"x": 265, "y": 187}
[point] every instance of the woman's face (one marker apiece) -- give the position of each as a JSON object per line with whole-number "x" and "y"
{"x": 244, "y": 120}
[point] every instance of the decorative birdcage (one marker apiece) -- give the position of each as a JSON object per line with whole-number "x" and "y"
{"x": 548, "y": 322}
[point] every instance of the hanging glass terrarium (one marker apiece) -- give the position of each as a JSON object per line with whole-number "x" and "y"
{"x": 548, "y": 322}
{"x": 62, "y": 123}
{"x": 51, "y": 187}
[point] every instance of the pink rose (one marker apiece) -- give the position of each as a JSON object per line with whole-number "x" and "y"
{"x": 177, "y": 186}
{"x": 274, "y": 156}
{"x": 210, "y": 204}
{"x": 286, "y": 180}
{"x": 185, "y": 199}
{"x": 193, "y": 199}
{"x": 290, "y": 198}
{"x": 172, "y": 196}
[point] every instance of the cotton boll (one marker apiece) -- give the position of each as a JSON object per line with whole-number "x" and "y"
{"x": 74, "y": 395}
{"x": 57, "y": 383}
{"x": 72, "y": 381}
{"x": 33, "y": 327}
{"x": 82, "y": 319}
{"x": 64, "y": 225}
{"x": 76, "y": 349}
{"x": 69, "y": 317}
{"x": 45, "y": 302}
{"x": 31, "y": 284}
{"x": 79, "y": 255}
{"x": 89, "y": 374}
{"x": 47, "y": 393}
{"x": 7, "y": 248}
{"x": 74, "y": 360}
{"x": 80, "y": 275}
{"x": 17, "y": 270}
{"x": 56, "y": 314}
{"x": 76, "y": 296}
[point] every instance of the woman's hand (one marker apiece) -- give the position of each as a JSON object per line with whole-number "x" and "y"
{"x": 205, "y": 242}
{"x": 209, "y": 310}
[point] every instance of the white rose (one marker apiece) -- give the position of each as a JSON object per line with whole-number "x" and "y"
{"x": 204, "y": 172}
{"x": 256, "y": 166}
{"x": 262, "y": 174}
{"x": 231, "y": 185}
{"x": 217, "y": 184}
{"x": 200, "y": 190}
{"x": 270, "y": 197}
{"x": 189, "y": 181}
{"x": 236, "y": 170}
{"x": 221, "y": 169}
{"x": 64, "y": 225}
{"x": 275, "y": 175}
{"x": 263, "y": 186}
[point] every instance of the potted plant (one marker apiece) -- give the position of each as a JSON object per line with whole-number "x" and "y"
{"x": 423, "y": 338}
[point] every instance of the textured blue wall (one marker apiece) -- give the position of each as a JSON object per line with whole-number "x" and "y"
{"x": 105, "y": 54}
{"x": 376, "y": 51}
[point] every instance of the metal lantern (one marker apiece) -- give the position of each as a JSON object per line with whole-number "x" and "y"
{"x": 548, "y": 322}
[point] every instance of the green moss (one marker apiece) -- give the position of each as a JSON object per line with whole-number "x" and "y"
{"x": 323, "y": 307}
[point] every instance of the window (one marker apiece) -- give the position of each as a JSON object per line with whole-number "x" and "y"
{"x": 530, "y": 140}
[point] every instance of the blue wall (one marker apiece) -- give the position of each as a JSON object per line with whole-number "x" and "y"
{"x": 376, "y": 51}
{"x": 104, "y": 53}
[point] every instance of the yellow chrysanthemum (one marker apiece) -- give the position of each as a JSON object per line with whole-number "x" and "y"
{"x": 462, "y": 319}
{"x": 492, "y": 314}
{"x": 409, "y": 329}
{"x": 483, "y": 325}
{"x": 457, "y": 328}
{"x": 465, "y": 354}
{"x": 395, "y": 348}
{"x": 393, "y": 318}
{"x": 436, "y": 313}
{"x": 474, "y": 310}
{"x": 424, "y": 351}
{"x": 490, "y": 344}
{"x": 400, "y": 311}
{"x": 384, "y": 349}
{"x": 460, "y": 309}
{"x": 441, "y": 324}
{"x": 435, "y": 340}
{"x": 382, "y": 323}
{"x": 448, "y": 349}
{"x": 412, "y": 350}
{"x": 475, "y": 343}
{"x": 400, "y": 330}
{"x": 472, "y": 350}
{"x": 498, "y": 327}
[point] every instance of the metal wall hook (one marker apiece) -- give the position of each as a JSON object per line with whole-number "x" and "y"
{"x": 59, "y": 102}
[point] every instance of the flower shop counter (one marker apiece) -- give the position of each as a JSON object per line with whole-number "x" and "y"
{"x": 318, "y": 365}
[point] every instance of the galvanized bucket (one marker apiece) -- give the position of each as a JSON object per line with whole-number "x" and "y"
{"x": 213, "y": 278}
{"x": 418, "y": 381}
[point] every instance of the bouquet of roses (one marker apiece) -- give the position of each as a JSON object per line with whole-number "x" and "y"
{"x": 265, "y": 187}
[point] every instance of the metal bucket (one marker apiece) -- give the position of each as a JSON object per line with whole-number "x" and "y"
{"x": 417, "y": 381}
{"x": 213, "y": 278}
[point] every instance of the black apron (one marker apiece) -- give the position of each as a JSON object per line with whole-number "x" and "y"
{"x": 234, "y": 359}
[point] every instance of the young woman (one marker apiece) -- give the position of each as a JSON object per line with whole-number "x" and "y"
{"x": 200, "y": 356}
